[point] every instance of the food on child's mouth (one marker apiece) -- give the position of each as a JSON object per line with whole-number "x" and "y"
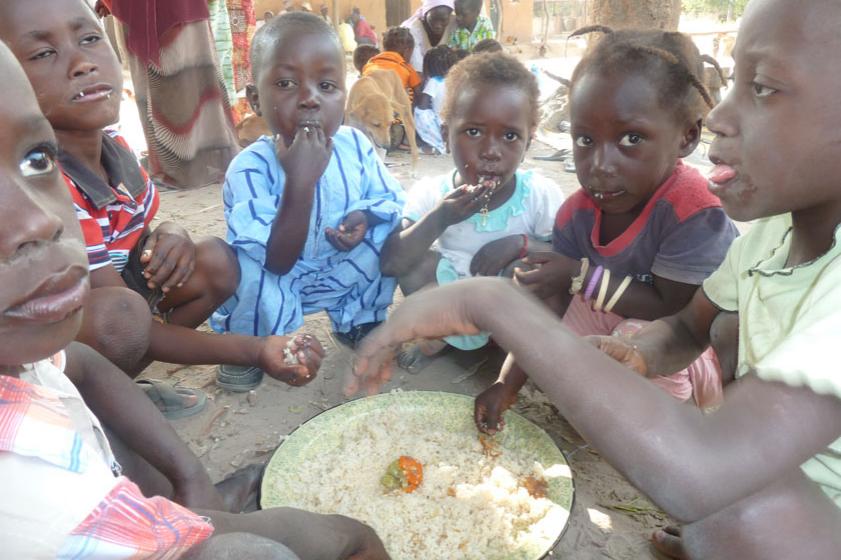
{"x": 405, "y": 473}
{"x": 489, "y": 182}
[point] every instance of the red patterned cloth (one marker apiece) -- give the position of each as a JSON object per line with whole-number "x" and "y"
{"x": 243, "y": 25}
{"x": 61, "y": 495}
{"x": 148, "y": 22}
{"x": 113, "y": 216}
{"x": 128, "y": 525}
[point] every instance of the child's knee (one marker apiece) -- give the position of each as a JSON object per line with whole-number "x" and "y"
{"x": 117, "y": 323}
{"x": 217, "y": 264}
{"x": 420, "y": 276}
{"x": 232, "y": 546}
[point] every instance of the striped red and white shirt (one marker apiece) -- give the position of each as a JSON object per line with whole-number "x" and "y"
{"x": 112, "y": 215}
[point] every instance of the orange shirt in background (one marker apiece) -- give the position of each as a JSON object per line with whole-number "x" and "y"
{"x": 390, "y": 60}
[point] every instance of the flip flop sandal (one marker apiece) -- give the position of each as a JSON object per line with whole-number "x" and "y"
{"x": 411, "y": 359}
{"x": 238, "y": 379}
{"x": 170, "y": 400}
{"x": 354, "y": 336}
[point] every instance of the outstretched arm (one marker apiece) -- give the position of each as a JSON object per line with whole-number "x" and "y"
{"x": 690, "y": 464}
{"x": 176, "y": 344}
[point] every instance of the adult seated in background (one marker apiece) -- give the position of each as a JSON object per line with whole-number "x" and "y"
{"x": 431, "y": 25}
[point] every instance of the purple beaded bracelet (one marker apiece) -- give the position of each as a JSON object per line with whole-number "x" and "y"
{"x": 594, "y": 281}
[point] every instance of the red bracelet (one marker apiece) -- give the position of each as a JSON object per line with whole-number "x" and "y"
{"x": 525, "y": 250}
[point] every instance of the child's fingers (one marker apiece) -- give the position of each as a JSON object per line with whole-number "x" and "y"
{"x": 163, "y": 273}
{"x": 527, "y": 277}
{"x": 540, "y": 257}
{"x": 314, "y": 345}
{"x": 351, "y": 384}
{"x": 310, "y": 359}
{"x": 354, "y": 220}
{"x": 307, "y": 342}
{"x": 298, "y": 376}
{"x": 333, "y": 237}
{"x": 459, "y": 192}
{"x": 160, "y": 254}
{"x": 148, "y": 249}
{"x": 342, "y": 242}
{"x": 353, "y": 237}
{"x": 375, "y": 383}
{"x": 180, "y": 274}
{"x": 364, "y": 369}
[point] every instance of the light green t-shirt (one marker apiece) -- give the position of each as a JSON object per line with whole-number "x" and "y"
{"x": 789, "y": 321}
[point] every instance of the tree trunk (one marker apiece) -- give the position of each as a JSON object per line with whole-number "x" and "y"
{"x": 640, "y": 14}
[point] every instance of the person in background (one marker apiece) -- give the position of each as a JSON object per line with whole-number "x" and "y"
{"x": 397, "y": 47}
{"x": 362, "y": 54}
{"x": 325, "y": 14}
{"x": 431, "y": 25}
{"x": 243, "y": 25}
{"x": 180, "y": 93}
{"x": 488, "y": 45}
{"x": 430, "y": 101}
{"x": 471, "y": 26}
{"x": 362, "y": 30}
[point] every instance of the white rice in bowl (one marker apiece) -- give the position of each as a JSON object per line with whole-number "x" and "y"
{"x": 469, "y": 505}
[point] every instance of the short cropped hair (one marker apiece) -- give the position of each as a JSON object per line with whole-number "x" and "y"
{"x": 273, "y": 31}
{"x": 488, "y": 71}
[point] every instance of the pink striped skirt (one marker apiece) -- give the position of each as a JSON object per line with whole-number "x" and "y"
{"x": 701, "y": 380}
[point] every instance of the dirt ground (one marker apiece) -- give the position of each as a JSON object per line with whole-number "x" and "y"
{"x": 610, "y": 519}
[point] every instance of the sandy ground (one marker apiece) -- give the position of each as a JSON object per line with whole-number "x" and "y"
{"x": 610, "y": 519}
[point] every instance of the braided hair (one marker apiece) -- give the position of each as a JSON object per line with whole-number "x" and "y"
{"x": 670, "y": 59}
{"x": 490, "y": 70}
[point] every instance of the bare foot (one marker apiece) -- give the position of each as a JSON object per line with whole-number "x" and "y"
{"x": 667, "y": 542}
{"x": 241, "y": 490}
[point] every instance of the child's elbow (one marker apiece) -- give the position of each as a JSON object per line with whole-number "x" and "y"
{"x": 390, "y": 267}
{"x": 393, "y": 264}
{"x": 278, "y": 266}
